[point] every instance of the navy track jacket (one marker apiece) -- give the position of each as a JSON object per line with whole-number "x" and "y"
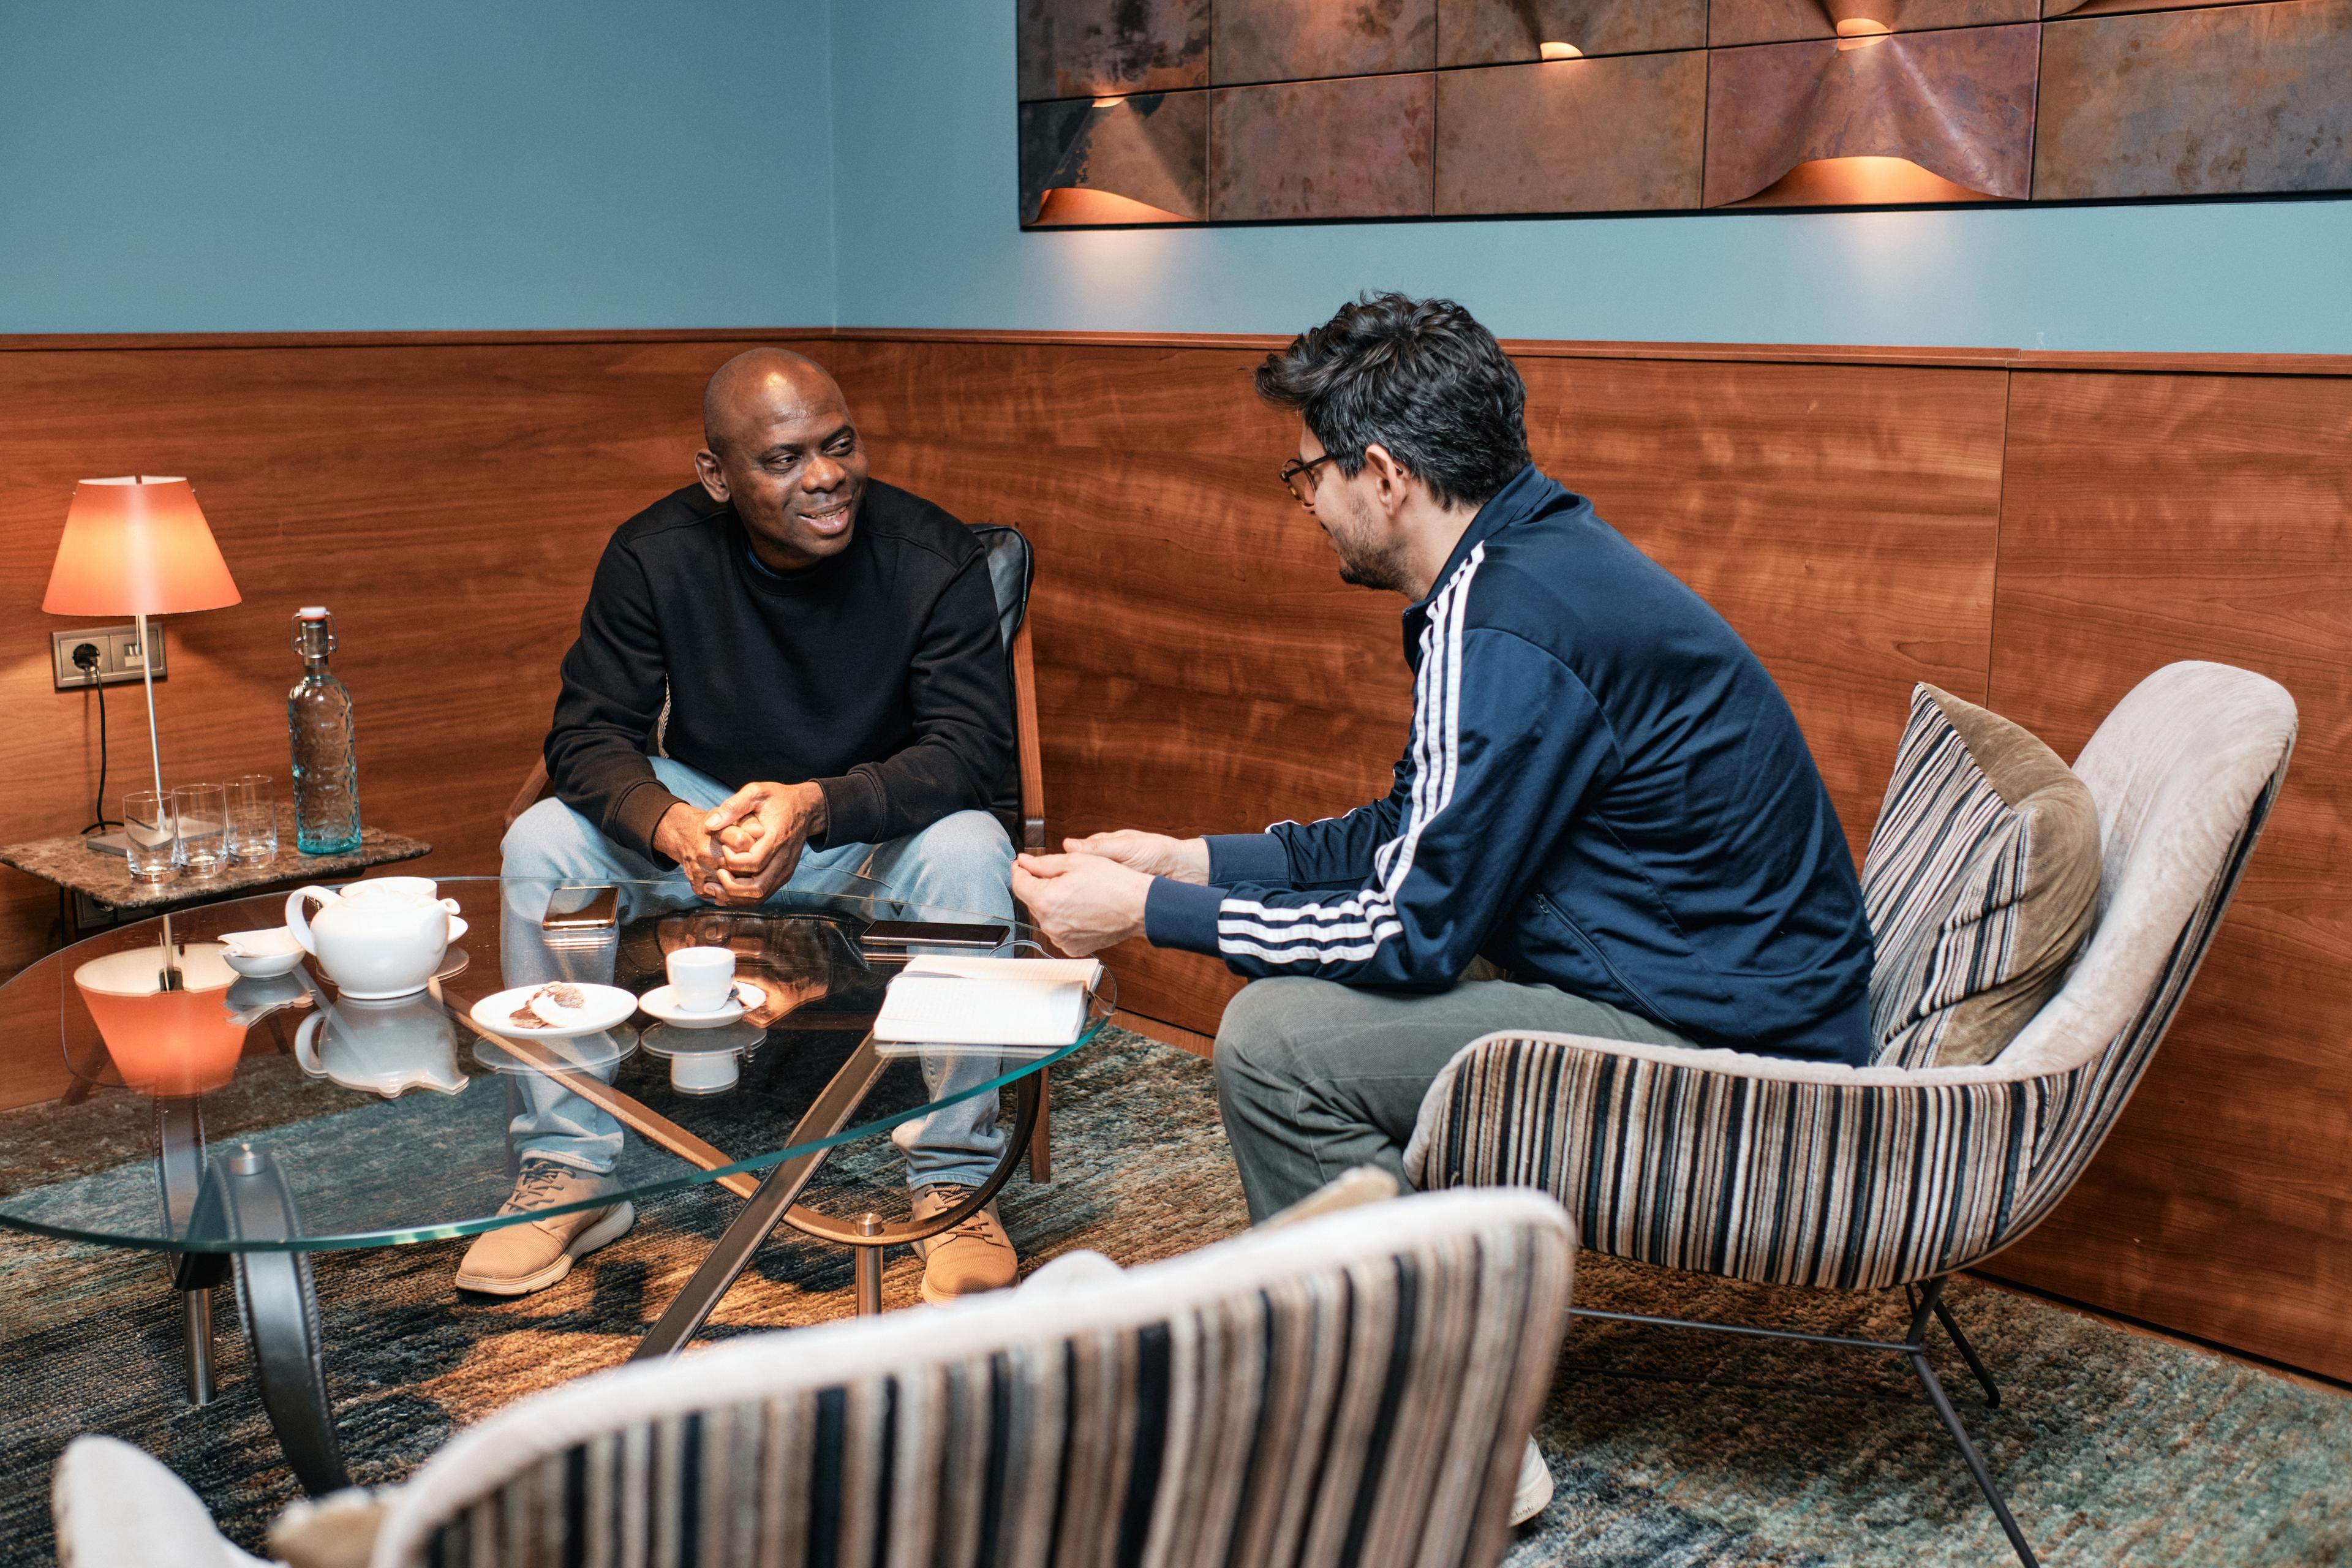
{"x": 1604, "y": 790}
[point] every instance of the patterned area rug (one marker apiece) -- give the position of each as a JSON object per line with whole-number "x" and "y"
{"x": 1672, "y": 1449}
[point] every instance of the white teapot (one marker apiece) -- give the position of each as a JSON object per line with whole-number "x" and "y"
{"x": 376, "y": 940}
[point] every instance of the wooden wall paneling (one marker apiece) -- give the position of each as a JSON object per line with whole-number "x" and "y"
{"x": 1843, "y": 520}
{"x": 447, "y": 502}
{"x": 2154, "y": 518}
{"x": 1202, "y": 668}
{"x": 2197, "y": 102}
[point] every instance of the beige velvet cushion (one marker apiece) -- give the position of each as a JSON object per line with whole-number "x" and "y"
{"x": 1981, "y": 881}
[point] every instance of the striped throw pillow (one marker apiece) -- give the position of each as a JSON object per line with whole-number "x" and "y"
{"x": 1981, "y": 881}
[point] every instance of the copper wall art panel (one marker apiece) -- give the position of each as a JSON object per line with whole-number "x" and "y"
{"x": 2175, "y": 103}
{"x": 1356, "y": 147}
{"x": 1731, "y": 23}
{"x": 1284, "y": 40}
{"x": 2108, "y": 7}
{"x": 1086, "y": 48}
{"x": 1614, "y": 134}
{"x": 1305, "y": 109}
{"x": 1959, "y": 103}
{"x": 1498, "y": 32}
{"x": 1152, "y": 148}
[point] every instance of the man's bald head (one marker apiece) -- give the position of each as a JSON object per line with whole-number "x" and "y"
{"x": 782, "y": 452}
{"x": 749, "y": 388}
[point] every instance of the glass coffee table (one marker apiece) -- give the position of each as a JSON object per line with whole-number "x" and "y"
{"x": 237, "y": 1123}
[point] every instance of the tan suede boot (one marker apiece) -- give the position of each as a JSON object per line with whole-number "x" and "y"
{"x": 976, "y": 1255}
{"x": 516, "y": 1259}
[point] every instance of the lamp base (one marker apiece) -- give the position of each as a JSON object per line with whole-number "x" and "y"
{"x": 110, "y": 843}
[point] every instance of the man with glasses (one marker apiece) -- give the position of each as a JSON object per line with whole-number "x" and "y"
{"x": 1603, "y": 795}
{"x": 788, "y": 677}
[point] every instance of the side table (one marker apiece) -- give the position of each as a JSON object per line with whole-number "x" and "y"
{"x": 103, "y": 893}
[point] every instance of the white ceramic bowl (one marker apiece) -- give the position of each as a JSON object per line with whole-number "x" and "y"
{"x": 262, "y": 954}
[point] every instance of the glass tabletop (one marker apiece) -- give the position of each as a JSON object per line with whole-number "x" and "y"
{"x": 131, "y": 1095}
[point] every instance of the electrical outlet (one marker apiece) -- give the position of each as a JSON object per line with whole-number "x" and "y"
{"x": 119, "y": 657}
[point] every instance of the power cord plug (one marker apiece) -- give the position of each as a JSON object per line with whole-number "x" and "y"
{"x": 85, "y": 658}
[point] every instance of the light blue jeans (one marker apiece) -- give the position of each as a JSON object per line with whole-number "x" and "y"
{"x": 961, "y": 863}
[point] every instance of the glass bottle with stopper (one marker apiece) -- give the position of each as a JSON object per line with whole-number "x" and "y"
{"x": 326, "y": 763}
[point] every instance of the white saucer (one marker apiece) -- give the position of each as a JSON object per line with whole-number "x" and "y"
{"x": 606, "y": 1005}
{"x": 661, "y": 1001}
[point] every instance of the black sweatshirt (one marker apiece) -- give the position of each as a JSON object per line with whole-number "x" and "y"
{"x": 878, "y": 672}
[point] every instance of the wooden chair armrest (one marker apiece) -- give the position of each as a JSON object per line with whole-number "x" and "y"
{"x": 534, "y": 789}
{"x": 1033, "y": 757}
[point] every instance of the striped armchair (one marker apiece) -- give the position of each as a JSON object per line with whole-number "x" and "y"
{"x": 1791, "y": 1173}
{"x": 1352, "y": 1389}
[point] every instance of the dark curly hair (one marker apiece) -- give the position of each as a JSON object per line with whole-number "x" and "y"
{"x": 1421, "y": 378}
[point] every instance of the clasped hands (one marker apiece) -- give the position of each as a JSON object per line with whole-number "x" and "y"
{"x": 745, "y": 847}
{"x": 1092, "y": 895}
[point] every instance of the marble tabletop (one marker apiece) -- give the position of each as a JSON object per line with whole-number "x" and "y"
{"x": 105, "y": 878}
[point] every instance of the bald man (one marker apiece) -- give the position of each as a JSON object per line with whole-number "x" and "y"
{"x": 788, "y": 676}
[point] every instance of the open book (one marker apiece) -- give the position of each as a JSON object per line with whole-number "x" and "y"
{"x": 987, "y": 1001}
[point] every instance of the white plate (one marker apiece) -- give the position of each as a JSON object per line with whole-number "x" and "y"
{"x": 582, "y": 1053}
{"x": 662, "y": 1003}
{"x": 606, "y": 1005}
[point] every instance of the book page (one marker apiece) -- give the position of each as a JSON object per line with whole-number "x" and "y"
{"x": 987, "y": 1001}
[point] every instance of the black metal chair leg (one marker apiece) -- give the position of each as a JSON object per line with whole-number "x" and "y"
{"x": 1935, "y": 1397}
{"x": 1968, "y": 1353}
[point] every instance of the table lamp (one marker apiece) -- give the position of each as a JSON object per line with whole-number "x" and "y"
{"x": 139, "y": 546}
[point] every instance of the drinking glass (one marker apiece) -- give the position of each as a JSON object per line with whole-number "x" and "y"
{"x": 253, "y": 819}
{"x": 152, "y": 828}
{"x": 202, "y": 810}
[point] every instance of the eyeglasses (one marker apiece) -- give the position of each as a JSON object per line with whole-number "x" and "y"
{"x": 1299, "y": 475}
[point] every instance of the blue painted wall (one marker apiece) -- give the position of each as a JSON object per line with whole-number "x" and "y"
{"x": 321, "y": 164}
{"x": 223, "y": 165}
{"x": 925, "y": 225}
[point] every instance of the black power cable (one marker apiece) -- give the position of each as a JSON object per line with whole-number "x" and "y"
{"x": 85, "y": 658}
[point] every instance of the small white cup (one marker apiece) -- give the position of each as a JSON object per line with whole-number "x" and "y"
{"x": 701, "y": 977}
{"x": 704, "y": 1072}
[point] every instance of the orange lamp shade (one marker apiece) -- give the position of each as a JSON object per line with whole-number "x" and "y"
{"x": 137, "y": 545}
{"x": 179, "y": 1042}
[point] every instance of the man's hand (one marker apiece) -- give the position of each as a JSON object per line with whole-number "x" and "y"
{"x": 1153, "y": 854}
{"x": 1083, "y": 903}
{"x": 760, "y": 831}
{"x": 679, "y": 836}
{"x": 744, "y": 848}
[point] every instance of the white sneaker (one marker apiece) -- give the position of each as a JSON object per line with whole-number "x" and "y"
{"x": 1534, "y": 1493}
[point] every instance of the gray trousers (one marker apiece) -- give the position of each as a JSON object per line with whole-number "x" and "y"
{"x": 1315, "y": 1078}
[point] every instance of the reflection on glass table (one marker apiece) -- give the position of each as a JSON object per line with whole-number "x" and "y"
{"x": 184, "y": 1086}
